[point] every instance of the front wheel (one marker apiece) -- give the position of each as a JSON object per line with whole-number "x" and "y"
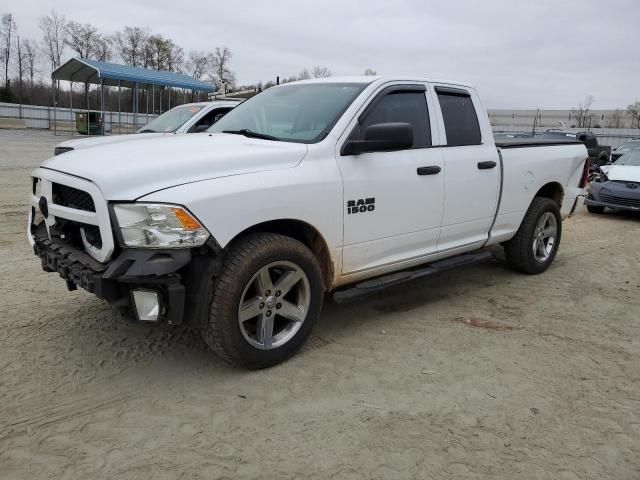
{"x": 265, "y": 301}
{"x": 536, "y": 243}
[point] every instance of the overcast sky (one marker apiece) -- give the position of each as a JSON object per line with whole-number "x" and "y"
{"x": 519, "y": 54}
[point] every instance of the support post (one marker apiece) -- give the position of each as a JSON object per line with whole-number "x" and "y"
{"x": 119, "y": 111}
{"x": 135, "y": 105}
{"x": 102, "y": 106}
{"x": 153, "y": 99}
{"x": 71, "y": 105}
{"x": 86, "y": 89}
{"x": 55, "y": 126}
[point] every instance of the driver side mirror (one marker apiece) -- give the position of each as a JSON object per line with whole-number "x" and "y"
{"x": 201, "y": 128}
{"x": 381, "y": 137}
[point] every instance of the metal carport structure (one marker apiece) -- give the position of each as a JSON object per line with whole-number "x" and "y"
{"x": 82, "y": 70}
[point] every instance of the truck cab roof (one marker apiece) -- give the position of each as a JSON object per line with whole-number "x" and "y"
{"x": 370, "y": 79}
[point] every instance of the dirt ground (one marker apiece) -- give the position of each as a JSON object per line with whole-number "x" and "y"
{"x": 473, "y": 374}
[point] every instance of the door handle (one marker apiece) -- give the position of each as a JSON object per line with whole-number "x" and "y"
{"x": 487, "y": 165}
{"x": 431, "y": 170}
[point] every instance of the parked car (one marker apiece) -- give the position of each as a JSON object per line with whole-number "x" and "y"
{"x": 187, "y": 118}
{"x": 618, "y": 186}
{"x": 506, "y": 135}
{"x": 598, "y": 154}
{"x": 342, "y": 185}
{"x": 633, "y": 144}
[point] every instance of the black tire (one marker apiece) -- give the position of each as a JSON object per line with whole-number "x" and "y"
{"x": 595, "y": 209}
{"x": 245, "y": 258}
{"x": 519, "y": 250}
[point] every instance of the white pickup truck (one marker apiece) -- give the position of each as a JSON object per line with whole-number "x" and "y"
{"x": 187, "y": 118}
{"x": 343, "y": 185}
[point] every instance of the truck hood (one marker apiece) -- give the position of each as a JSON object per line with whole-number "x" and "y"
{"x": 78, "y": 143}
{"x": 627, "y": 173}
{"x": 126, "y": 171}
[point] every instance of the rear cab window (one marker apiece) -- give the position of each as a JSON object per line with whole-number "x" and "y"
{"x": 459, "y": 116}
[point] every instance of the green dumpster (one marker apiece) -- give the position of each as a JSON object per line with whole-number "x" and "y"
{"x": 94, "y": 120}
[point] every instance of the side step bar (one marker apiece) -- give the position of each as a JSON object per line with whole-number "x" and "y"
{"x": 369, "y": 287}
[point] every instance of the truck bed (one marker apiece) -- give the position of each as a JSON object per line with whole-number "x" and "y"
{"x": 532, "y": 142}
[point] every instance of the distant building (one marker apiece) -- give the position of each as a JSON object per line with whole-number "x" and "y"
{"x": 557, "y": 118}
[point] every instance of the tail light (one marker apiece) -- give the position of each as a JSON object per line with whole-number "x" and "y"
{"x": 584, "y": 181}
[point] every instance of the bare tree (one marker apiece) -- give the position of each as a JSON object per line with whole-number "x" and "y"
{"x": 582, "y": 113}
{"x": 20, "y": 66}
{"x": 103, "y": 50}
{"x": 7, "y": 30}
{"x": 175, "y": 61}
{"x": 303, "y": 75}
{"x": 31, "y": 56}
{"x": 321, "y": 72}
{"x": 197, "y": 64}
{"x": 219, "y": 60}
{"x": 633, "y": 111}
{"x": 82, "y": 39}
{"x": 370, "y": 72}
{"x": 130, "y": 44}
{"x": 162, "y": 53}
{"x": 616, "y": 119}
{"x": 147, "y": 54}
{"x": 158, "y": 49}
{"x": 54, "y": 33}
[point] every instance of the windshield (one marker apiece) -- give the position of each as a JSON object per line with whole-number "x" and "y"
{"x": 631, "y": 158}
{"x": 171, "y": 120}
{"x": 633, "y": 145}
{"x": 302, "y": 113}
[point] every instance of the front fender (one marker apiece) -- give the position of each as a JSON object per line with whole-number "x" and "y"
{"x": 229, "y": 205}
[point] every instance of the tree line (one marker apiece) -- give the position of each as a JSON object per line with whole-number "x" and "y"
{"x": 27, "y": 61}
{"x": 584, "y": 116}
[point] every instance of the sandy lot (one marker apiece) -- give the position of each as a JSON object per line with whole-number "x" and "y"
{"x": 476, "y": 373}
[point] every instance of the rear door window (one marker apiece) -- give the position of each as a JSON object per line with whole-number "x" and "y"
{"x": 460, "y": 117}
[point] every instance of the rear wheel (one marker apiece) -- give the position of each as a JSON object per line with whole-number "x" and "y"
{"x": 595, "y": 209}
{"x": 536, "y": 243}
{"x": 265, "y": 301}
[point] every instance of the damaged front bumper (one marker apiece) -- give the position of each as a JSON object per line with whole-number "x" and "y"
{"x": 180, "y": 279}
{"x": 615, "y": 194}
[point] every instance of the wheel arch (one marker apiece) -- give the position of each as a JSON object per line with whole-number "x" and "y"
{"x": 306, "y": 234}
{"x": 553, "y": 191}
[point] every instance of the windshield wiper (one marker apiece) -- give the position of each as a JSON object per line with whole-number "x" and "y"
{"x": 251, "y": 134}
{"x": 147, "y": 130}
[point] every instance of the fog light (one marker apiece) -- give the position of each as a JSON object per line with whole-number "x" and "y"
{"x": 147, "y": 303}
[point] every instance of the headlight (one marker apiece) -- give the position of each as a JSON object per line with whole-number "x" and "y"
{"x": 159, "y": 226}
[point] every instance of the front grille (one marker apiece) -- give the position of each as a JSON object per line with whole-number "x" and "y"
{"x": 622, "y": 201}
{"x": 72, "y": 197}
{"x": 80, "y": 213}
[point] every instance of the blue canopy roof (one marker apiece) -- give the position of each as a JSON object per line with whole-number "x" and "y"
{"x": 93, "y": 71}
